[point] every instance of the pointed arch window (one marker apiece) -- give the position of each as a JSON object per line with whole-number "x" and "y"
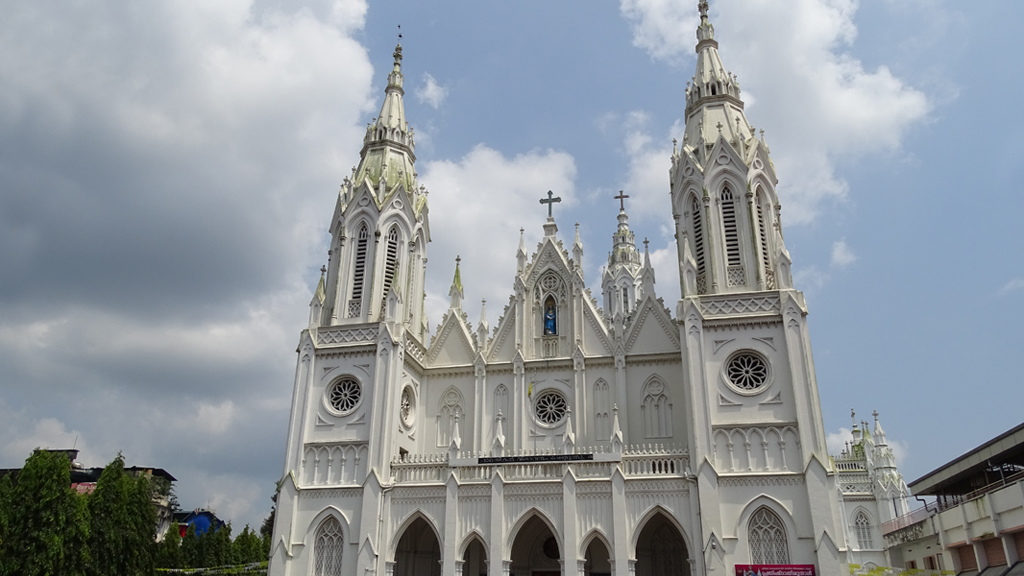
{"x": 732, "y": 237}
{"x": 698, "y": 234}
{"x": 862, "y": 528}
{"x": 767, "y": 538}
{"x": 602, "y": 411}
{"x": 390, "y": 267}
{"x": 449, "y": 411}
{"x": 327, "y": 548}
{"x": 355, "y": 304}
{"x": 657, "y": 410}
{"x": 762, "y": 228}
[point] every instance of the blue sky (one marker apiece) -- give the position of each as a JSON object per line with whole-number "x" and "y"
{"x": 167, "y": 173}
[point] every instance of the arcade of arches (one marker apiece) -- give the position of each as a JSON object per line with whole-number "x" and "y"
{"x": 536, "y": 551}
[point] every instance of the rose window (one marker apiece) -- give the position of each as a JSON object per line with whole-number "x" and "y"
{"x": 407, "y": 407}
{"x": 550, "y": 408}
{"x": 748, "y": 371}
{"x": 344, "y": 395}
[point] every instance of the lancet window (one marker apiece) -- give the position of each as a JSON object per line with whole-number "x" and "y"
{"x": 862, "y": 528}
{"x": 327, "y": 548}
{"x": 602, "y": 411}
{"x": 448, "y": 412}
{"x": 732, "y": 237}
{"x": 390, "y": 267}
{"x": 657, "y": 410}
{"x": 767, "y": 538}
{"x": 762, "y": 229}
{"x": 698, "y": 234}
{"x": 359, "y": 273}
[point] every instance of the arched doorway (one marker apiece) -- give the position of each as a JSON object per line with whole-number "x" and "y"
{"x": 660, "y": 550}
{"x": 474, "y": 560}
{"x": 535, "y": 551}
{"x": 597, "y": 559}
{"x": 419, "y": 552}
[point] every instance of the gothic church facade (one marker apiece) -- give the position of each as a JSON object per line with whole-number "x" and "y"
{"x": 572, "y": 439}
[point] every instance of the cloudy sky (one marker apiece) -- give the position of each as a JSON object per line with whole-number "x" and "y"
{"x": 168, "y": 170}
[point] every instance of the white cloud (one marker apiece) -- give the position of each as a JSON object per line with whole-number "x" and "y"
{"x": 842, "y": 255}
{"x": 817, "y": 102}
{"x": 810, "y": 278}
{"x": 431, "y": 92}
{"x": 1015, "y": 285}
{"x": 488, "y": 196}
{"x": 836, "y": 441}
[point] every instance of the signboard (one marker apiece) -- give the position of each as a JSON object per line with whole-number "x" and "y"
{"x": 533, "y": 459}
{"x": 775, "y": 570}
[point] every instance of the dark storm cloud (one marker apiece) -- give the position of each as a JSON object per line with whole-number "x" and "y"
{"x": 167, "y": 171}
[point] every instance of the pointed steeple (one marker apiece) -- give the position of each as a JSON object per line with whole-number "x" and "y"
{"x": 647, "y": 274}
{"x": 389, "y": 145}
{"x": 717, "y": 91}
{"x": 482, "y": 328}
{"x": 577, "y": 247}
{"x": 455, "y": 293}
{"x": 621, "y": 283}
{"x": 521, "y": 252}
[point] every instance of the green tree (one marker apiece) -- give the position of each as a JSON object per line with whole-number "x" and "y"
{"x": 122, "y": 524}
{"x": 169, "y": 554}
{"x": 248, "y": 547}
{"x": 220, "y": 550}
{"x": 42, "y": 530}
{"x": 190, "y": 548}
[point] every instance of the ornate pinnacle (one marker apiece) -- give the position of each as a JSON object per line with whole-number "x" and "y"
{"x": 703, "y": 7}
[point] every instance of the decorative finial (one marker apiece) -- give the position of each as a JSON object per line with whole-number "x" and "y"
{"x": 703, "y": 7}
{"x": 323, "y": 270}
{"x": 719, "y": 126}
{"x": 875, "y": 414}
{"x": 458, "y": 259}
{"x": 853, "y": 417}
{"x": 646, "y": 242}
{"x": 398, "y": 48}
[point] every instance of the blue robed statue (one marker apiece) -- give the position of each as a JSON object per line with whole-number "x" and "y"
{"x": 549, "y": 319}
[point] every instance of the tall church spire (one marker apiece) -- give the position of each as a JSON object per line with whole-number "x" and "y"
{"x": 622, "y": 283}
{"x": 389, "y": 145}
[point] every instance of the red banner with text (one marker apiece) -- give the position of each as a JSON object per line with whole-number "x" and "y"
{"x": 775, "y": 570}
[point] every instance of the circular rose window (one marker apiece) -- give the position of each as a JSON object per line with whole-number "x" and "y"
{"x": 408, "y": 408}
{"x": 550, "y": 407}
{"x": 747, "y": 371}
{"x": 344, "y": 395}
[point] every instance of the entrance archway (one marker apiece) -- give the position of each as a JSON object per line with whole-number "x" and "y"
{"x": 419, "y": 552}
{"x": 597, "y": 559}
{"x": 474, "y": 560}
{"x": 535, "y": 551}
{"x": 660, "y": 550}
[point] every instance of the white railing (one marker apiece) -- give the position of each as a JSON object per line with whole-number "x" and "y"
{"x": 656, "y": 460}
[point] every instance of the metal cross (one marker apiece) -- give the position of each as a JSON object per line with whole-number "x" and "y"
{"x": 550, "y": 201}
{"x": 622, "y": 200}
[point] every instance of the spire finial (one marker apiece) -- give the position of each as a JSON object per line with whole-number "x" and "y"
{"x": 702, "y": 6}
{"x": 875, "y": 414}
{"x": 398, "y": 48}
{"x": 622, "y": 200}
{"x": 646, "y": 242}
{"x": 323, "y": 270}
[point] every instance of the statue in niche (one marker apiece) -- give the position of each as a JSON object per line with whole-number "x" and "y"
{"x": 550, "y": 328}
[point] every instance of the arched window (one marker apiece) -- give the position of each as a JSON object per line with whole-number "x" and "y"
{"x": 762, "y": 228}
{"x": 448, "y": 412}
{"x": 602, "y": 410}
{"x": 732, "y": 237}
{"x": 767, "y": 538}
{"x": 327, "y": 548}
{"x": 390, "y": 267}
{"x": 625, "y": 299}
{"x": 698, "y": 234}
{"x": 657, "y": 411}
{"x": 862, "y": 527}
{"x": 355, "y": 304}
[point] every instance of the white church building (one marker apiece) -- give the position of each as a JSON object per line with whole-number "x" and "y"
{"x": 647, "y": 436}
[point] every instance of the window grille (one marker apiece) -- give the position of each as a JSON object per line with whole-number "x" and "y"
{"x": 732, "y": 238}
{"x": 390, "y": 267}
{"x": 862, "y": 527}
{"x": 763, "y": 230}
{"x": 355, "y": 303}
{"x": 767, "y": 537}
{"x": 698, "y": 235}
{"x": 327, "y": 548}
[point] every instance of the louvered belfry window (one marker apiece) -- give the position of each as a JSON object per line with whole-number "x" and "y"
{"x": 767, "y": 538}
{"x": 732, "y": 238}
{"x": 390, "y": 267}
{"x": 763, "y": 231}
{"x": 698, "y": 235}
{"x": 355, "y": 303}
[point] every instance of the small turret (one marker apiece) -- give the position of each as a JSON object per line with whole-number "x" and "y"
{"x": 521, "y": 253}
{"x": 482, "y": 328}
{"x": 455, "y": 293}
{"x": 577, "y": 248}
